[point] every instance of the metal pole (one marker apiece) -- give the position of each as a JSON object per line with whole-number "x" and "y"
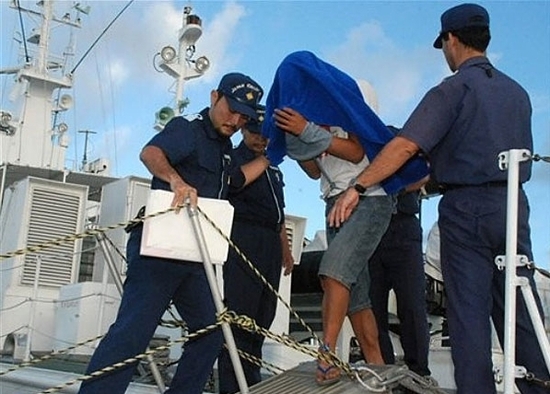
{"x": 511, "y": 159}
{"x": 3, "y": 184}
{"x": 33, "y": 308}
{"x": 118, "y": 283}
{"x": 538, "y": 325}
{"x": 109, "y": 261}
{"x": 211, "y": 275}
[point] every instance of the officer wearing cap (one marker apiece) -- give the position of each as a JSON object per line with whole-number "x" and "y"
{"x": 397, "y": 265}
{"x": 462, "y": 125}
{"x": 191, "y": 157}
{"x": 260, "y": 234}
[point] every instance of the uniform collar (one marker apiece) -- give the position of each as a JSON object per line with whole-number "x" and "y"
{"x": 211, "y": 132}
{"x": 474, "y": 61}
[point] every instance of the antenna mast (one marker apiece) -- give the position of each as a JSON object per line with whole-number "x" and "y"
{"x": 84, "y": 156}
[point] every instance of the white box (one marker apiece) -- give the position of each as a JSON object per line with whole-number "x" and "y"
{"x": 171, "y": 235}
{"x": 84, "y": 310}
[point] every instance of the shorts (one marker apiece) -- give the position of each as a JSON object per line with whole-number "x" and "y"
{"x": 351, "y": 246}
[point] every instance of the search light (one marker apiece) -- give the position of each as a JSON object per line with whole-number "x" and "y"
{"x": 168, "y": 53}
{"x": 202, "y": 64}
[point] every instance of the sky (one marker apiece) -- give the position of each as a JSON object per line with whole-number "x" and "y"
{"x": 118, "y": 89}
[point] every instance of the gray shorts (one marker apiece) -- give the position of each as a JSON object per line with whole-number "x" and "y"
{"x": 351, "y": 246}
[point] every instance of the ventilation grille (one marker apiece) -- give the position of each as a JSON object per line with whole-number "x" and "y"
{"x": 295, "y": 228}
{"x": 53, "y": 215}
{"x": 290, "y": 233}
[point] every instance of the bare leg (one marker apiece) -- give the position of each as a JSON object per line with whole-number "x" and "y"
{"x": 366, "y": 332}
{"x": 334, "y": 308}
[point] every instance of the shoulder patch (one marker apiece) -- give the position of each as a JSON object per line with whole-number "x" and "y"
{"x": 192, "y": 117}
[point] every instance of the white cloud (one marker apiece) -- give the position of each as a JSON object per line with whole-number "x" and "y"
{"x": 400, "y": 76}
{"x": 218, "y": 36}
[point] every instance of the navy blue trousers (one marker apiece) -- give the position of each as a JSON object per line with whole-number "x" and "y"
{"x": 150, "y": 285}
{"x": 472, "y": 225}
{"x": 246, "y": 294}
{"x": 397, "y": 264}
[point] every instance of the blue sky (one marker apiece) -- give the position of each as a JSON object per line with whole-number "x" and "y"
{"x": 388, "y": 43}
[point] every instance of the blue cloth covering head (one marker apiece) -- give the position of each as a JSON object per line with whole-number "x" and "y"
{"x": 327, "y": 96}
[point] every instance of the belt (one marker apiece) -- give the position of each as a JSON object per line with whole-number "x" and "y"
{"x": 444, "y": 187}
{"x": 258, "y": 222}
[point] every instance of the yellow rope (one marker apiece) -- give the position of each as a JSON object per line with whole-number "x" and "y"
{"x": 87, "y": 233}
{"x": 48, "y": 356}
{"x": 226, "y": 317}
{"x": 131, "y": 360}
{"x": 259, "y": 275}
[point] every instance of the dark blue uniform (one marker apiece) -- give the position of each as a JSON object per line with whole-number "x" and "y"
{"x": 258, "y": 219}
{"x": 397, "y": 264}
{"x": 463, "y": 124}
{"x": 202, "y": 158}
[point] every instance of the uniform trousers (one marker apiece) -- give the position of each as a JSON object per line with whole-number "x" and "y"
{"x": 246, "y": 294}
{"x": 397, "y": 264}
{"x": 472, "y": 223}
{"x": 150, "y": 285}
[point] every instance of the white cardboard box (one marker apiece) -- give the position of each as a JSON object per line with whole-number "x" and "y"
{"x": 171, "y": 235}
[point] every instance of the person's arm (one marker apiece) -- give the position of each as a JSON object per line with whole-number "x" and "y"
{"x": 311, "y": 168}
{"x": 288, "y": 260}
{"x": 349, "y": 149}
{"x": 254, "y": 169}
{"x": 157, "y": 163}
{"x": 291, "y": 121}
{"x": 417, "y": 186}
{"x": 396, "y": 153}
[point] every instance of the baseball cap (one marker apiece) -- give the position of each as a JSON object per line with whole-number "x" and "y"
{"x": 459, "y": 17}
{"x": 242, "y": 93}
{"x": 255, "y": 125}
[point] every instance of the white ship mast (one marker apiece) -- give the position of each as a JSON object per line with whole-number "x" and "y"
{"x": 30, "y": 135}
{"x": 181, "y": 64}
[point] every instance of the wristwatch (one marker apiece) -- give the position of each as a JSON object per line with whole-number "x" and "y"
{"x": 360, "y": 188}
{"x": 357, "y": 186}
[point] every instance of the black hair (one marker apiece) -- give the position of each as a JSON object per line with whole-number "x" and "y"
{"x": 476, "y": 37}
{"x": 220, "y": 95}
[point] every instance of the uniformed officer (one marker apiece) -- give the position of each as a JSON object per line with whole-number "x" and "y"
{"x": 259, "y": 232}
{"x": 190, "y": 157}
{"x": 397, "y": 265}
{"x": 462, "y": 125}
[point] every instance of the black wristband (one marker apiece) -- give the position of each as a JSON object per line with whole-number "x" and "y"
{"x": 360, "y": 188}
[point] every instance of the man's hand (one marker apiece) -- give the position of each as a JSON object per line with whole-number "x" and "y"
{"x": 288, "y": 259}
{"x": 156, "y": 162}
{"x": 343, "y": 207}
{"x": 290, "y": 120}
{"x": 183, "y": 193}
{"x": 288, "y": 263}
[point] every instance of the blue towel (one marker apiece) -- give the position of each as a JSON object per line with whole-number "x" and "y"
{"x": 326, "y": 95}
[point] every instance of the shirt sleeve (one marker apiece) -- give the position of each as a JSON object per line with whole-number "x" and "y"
{"x": 236, "y": 175}
{"x": 176, "y": 140}
{"x": 431, "y": 119}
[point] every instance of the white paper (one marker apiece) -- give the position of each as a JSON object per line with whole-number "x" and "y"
{"x": 171, "y": 235}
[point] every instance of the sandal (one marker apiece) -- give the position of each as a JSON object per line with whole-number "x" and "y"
{"x": 328, "y": 374}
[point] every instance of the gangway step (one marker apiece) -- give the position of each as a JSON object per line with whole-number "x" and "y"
{"x": 301, "y": 379}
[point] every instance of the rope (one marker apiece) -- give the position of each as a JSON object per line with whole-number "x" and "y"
{"x": 258, "y": 273}
{"x": 249, "y": 324}
{"x": 87, "y": 233}
{"x": 131, "y": 360}
{"x": 227, "y": 317}
{"x": 48, "y": 356}
{"x": 100, "y": 36}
